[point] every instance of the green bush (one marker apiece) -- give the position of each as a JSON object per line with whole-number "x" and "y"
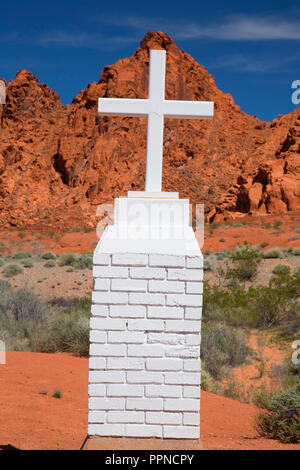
{"x": 22, "y": 255}
{"x": 65, "y": 332}
{"x": 83, "y": 262}
{"x": 281, "y": 269}
{"x": 67, "y": 259}
{"x": 244, "y": 262}
{"x": 48, "y": 255}
{"x": 27, "y": 263}
{"x": 50, "y": 263}
{"x": 12, "y": 270}
{"x": 2, "y": 262}
{"x": 282, "y": 419}
{"x": 272, "y": 253}
{"x": 208, "y": 383}
{"x": 76, "y": 261}
{"x": 222, "y": 346}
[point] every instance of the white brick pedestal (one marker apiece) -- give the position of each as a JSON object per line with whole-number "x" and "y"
{"x": 144, "y": 378}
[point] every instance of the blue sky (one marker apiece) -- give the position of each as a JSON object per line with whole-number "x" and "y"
{"x": 253, "y": 53}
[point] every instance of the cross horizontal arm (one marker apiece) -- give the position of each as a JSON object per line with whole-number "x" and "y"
{"x": 123, "y": 106}
{"x": 189, "y": 109}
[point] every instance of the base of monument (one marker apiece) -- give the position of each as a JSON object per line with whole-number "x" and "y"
{"x": 139, "y": 443}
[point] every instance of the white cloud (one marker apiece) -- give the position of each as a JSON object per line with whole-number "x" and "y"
{"x": 236, "y": 27}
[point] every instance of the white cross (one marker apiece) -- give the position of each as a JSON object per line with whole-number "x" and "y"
{"x": 156, "y": 108}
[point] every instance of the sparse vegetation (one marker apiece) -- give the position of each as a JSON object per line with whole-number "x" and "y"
{"x": 282, "y": 418}
{"x": 48, "y": 255}
{"x": 50, "y": 263}
{"x": 12, "y": 270}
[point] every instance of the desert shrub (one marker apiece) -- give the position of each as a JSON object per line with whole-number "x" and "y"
{"x": 21, "y": 255}
{"x": 12, "y": 270}
{"x": 2, "y": 262}
{"x": 244, "y": 262}
{"x": 281, "y": 269}
{"x": 4, "y": 286}
{"x": 64, "y": 332}
{"x": 21, "y": 316}
{"x": 67, "y": 259}
{"x": 50, "y": 263}
{"x": 272, "y": 253}
{"x": 83, "y": 262}
{"x": 27, "y": 263}
{"x": 208, "y": 383}
{"x": 209, "y": 262}
{"x": 48, "y": 255}
{"x": 222, "y": 346}
{"x": 282, "y": 418}
{"x": 264, "y": 244}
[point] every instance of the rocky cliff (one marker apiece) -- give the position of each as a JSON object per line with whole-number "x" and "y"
{"x": 58, "y": 162}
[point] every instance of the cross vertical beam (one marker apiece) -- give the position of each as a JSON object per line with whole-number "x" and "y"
{"x": 155, "y": 139}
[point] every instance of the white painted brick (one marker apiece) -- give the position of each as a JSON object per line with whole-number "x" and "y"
{"x": 110, "y": 297}
{"x": 107, "y": 349}
{"x": 106, "y": 429}
{"x": 106, "y": 403}
{"x": 142, "y": 430}
{"x": 146, "y": 325}
{"x": 192, "y": 340}
{"x": 165, "y": 312}
{"x": 166, "y": 338}
{"x": 183, "y": 300}
{"x": 97, "y": 390}
{"x": 125, "y": 417}
{"x": 124, "y": 390}
{"x": 183, "y": 325}
{"x": 191, "y": 419}
{"x": 164, "y": 391}
{"x": 99, "y": 310}
{"x": 147, "y": 273}
{"x": 97, "y": 336}
{"x": 145, "y": 377}
{"x": 96, "y": 416}
{"x": 101, "y": 284}
{"x": 145, "y": 350}
{"x": 128, "y": 311}
{"x": 194, "y": 313}
{"x": 154, "y": 417}
{"x": 184, "y": 378}
{"x": 194, "y": 287}
{"x": 192, "y": 365}
{"x": 153, "y": 404}
{"x": 185, "y": 274}
{"x": 97, "y": 363}
{"x": 106, "y": 376}
{"x": 108, "y": 324}
{"x": 101, "y": 258}
{"x": 110, "y": 272}
{"x": 179, "y": 404}
{"x": 166, "y": 286}
{"x": 164, "y": 364}
{"x": 194, "y": 262}
{"x": 184, "y": 353}
{"x": 147, "y": 299}
{"x": 129, "y": 285}
{"x": 126, "y": 337}
{"x": 181, "y": 432}
{"x": 129, "y": 259}
{"x": 128, "y": 363}
{"x": 191, "y": 392}
{"x": 166, "y": 260}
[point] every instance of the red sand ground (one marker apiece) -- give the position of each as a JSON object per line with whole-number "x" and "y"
{"x": 223, "y": 236}
{"x": 32, "y": 420}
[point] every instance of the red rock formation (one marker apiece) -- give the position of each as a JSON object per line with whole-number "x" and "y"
{"x": 58, "y": 162}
